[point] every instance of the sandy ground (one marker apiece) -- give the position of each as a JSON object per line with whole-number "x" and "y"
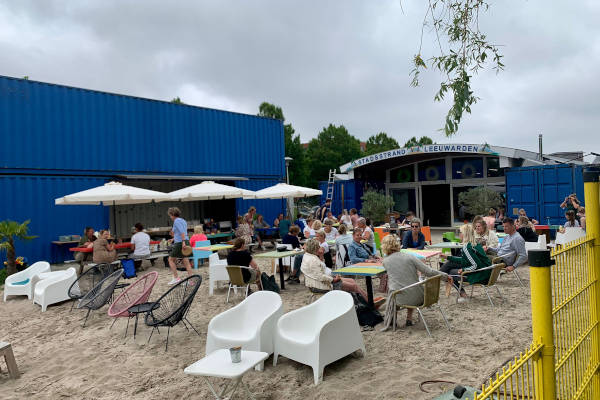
{"x": 60, "y": 359}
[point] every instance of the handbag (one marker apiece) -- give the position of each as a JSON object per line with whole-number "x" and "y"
{"x": 186, "y": 249}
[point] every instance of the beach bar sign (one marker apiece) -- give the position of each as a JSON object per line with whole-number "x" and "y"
{"x": 429, "y": 148}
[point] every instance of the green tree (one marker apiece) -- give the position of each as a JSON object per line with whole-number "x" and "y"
{"x": 376, "y": 205}
{"x": 456, "y": 22}
{"x": 9, "y": 232}
{"x": 380, "y": 142}
{"x": 412, "y": 142}
{"x": 479, "y": 200}
{"x": 177, "y": 100}
{"x": 298, "y": 169}
{"x": 333, "y": 147}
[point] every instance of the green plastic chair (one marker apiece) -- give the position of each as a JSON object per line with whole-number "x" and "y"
{"x": 451, "y": 237}
{"x": 377, "y": 243}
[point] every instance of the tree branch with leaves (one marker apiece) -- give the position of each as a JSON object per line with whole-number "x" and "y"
{"x": 468, "y": 52}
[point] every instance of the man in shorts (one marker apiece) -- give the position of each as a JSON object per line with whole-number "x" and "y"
{"x": 180, "y": 237}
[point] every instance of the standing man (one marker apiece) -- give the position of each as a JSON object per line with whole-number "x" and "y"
{"x": 324, "y": 209}
{"x": 512, "y": 249}
{"x": 180, "y": 237}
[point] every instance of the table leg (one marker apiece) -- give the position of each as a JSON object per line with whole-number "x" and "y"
{"x": 369, "y": 283}
{"x": 281, "y": 279}
{"x": 135, "y": 327}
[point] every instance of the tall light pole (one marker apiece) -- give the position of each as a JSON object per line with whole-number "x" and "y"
{"x": 287, "y": 180}
{"x": 287, "y": 172}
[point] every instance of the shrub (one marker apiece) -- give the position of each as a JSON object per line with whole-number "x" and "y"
{"x": 376, "y": 205}
{"x": 479, "y": 200}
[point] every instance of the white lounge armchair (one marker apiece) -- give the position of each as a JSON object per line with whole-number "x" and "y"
{"x": 319, "y": 333}
{"x": 53, "y": 288}
{"x": 217, "y": 271}
{"x": 250, "y": 324}
{"x": 569, "y": 235}
{"x": 21, "y": 284}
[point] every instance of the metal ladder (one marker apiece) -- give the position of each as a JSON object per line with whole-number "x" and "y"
{"x": 330, "y": 184}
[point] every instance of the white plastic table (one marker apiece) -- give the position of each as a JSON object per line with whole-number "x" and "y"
{"x": 218, "y": 364}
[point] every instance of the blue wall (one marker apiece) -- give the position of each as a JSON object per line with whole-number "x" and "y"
{"x": 541, "y": 190}
{"x": 57, "y": 140}
{"x": 268, "y": 208}
{"x": 353, "y": 191}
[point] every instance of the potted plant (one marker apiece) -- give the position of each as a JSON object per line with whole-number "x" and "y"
{"x": 9, "y": 231}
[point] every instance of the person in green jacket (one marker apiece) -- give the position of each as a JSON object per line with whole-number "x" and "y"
{"x": 472, "y": 258}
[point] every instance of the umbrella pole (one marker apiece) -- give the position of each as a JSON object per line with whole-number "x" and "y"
{"x": 115, "y": 218}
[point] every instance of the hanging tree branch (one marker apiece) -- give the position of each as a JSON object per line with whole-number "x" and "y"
{"x": 468, "y": 52}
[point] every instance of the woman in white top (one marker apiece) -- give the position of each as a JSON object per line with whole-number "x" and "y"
{"x": 483, "y": 236}
{"x": 345, "y": 219}
{"x": 330, "y": 232}
{"x": 140, "y": 242}
{"x": 311, "y": 230}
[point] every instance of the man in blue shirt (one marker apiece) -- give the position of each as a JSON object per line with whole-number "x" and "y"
{"x": 358, "y": 252}
{"x": 180, "y": 237}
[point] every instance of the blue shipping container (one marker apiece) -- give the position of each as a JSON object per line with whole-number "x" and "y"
{"x": 352, "y": 192}
{"x": 541, "y": 190}
{"x": 59, "y": 128}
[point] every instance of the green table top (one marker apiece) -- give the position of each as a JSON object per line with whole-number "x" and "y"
{"x": 278, "y": 254}
{"x": 219, "y": 235}
{"x": 361, "y": 269}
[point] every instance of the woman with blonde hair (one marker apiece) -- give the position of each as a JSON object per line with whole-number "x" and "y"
{"x": 490, "y": 219}
{"x": 403, "y": 270}
{"x": 198, "y": 235}
{"x": 103, "y": 251}
{"x": 484, "y": 236}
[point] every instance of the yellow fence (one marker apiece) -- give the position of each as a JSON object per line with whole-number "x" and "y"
{"x": 564, "y": 360}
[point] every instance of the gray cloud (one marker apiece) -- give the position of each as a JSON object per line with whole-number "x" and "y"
{"x": 321, "y": 61}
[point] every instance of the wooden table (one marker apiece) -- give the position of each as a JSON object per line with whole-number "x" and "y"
{"x": 215, "y": 247}
{"x": 368, "y": 270}
{"x": 280, "y": 255}
{"x": 118, "y": 246}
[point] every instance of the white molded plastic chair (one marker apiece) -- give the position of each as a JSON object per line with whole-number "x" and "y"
{"x": 250, "y": 324}
{"x": 21, "y": 283}
{"x": 319, "y": 333}
{"x": 217, "y": 271}
{"x": 54, "y": 288}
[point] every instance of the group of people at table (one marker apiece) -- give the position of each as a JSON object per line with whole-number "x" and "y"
{"x": 354, "y": 233}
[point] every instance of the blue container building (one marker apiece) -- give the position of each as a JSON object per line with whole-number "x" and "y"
{"x": 57, "y": 140}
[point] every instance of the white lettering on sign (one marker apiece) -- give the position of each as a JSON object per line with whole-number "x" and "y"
{"x": 430, "y": 148}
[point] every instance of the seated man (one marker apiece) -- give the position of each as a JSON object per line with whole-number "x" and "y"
{"x": 512, "y": 249}
{"x": 358, "y": 252}
{"x": 87, "y": 240}
{"x": 292, "y": 239}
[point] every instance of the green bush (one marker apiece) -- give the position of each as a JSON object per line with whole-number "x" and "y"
{"x": 3, "y": 275}
{"x": 479, "y": 200}
{"x": 376, "y": 205}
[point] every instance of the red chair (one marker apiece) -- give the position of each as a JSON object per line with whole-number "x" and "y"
{"x": 136, "y": 293}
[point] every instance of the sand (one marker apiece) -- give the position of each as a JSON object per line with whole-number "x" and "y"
{"x": 60, "y": 359}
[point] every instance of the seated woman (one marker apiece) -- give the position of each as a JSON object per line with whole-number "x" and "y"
{"x": 311, "y": 230}
{"x": 315, "y": 276}
{"x": 403, "y": 270}
{"x": 104, "y": 252}
{"x": 483, "y": 236}
{"x": 466, "y": 233}
{"x": 292, "y": 239}
{"x": 198, "y": 235}
{"x": 330, "y": 232}
{"x": 409, "y": 217}
{"x": 524, "y": 229}
{"x": 367, "y": 233}
{"x": 321, "y": 237}
{"x": 571, "y": 220}
{"x": 490, "y": 220}
{"x": 308, "y": 230}
{"x": 140, "y": 242}
{"x": 343, "y": 236}
{"x": 414, "y": 239}
{"x": 473, "y": 257}
{"x": 244, "y": 230}
{"x": 345, "y": 219}
{"x": 359, "y": 252}
{"x": 239, "y": 255}
{"x": 522, "y": 213}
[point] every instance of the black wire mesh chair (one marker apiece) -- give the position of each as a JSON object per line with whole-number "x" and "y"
{"x": 87, "y": 281}
{"x": 100, "y": 294}
{"x": 173, "y": 306}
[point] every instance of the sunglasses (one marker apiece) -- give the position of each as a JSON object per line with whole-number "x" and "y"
{"x": 415, "y": 226}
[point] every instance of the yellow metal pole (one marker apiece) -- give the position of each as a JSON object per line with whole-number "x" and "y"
{"x": 591, "y": 179}
{"x": 541, "y": 322}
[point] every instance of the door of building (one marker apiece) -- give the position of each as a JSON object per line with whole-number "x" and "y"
{"x": 435, "y": 200}
{"x": 405, "y": 200}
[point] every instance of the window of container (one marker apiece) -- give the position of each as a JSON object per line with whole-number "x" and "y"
{"x": 467, "y": 168}
{"x": 402, "y": 174}
{"x": 493, "y": 167}
{"x": 434, "y": 170}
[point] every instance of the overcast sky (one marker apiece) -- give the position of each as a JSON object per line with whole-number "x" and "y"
{"x": 341, "y": 62}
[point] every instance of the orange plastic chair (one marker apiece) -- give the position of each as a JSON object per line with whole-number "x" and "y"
{"x": 381, "y": 233}
{"x": 426, "y": 231}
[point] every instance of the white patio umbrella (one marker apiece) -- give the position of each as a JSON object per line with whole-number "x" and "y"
{"x": 112, "y": 194}
{"x": 209, "y": 190}
{"x": 283, "y": 190}
{"x": 286, "y": 191}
